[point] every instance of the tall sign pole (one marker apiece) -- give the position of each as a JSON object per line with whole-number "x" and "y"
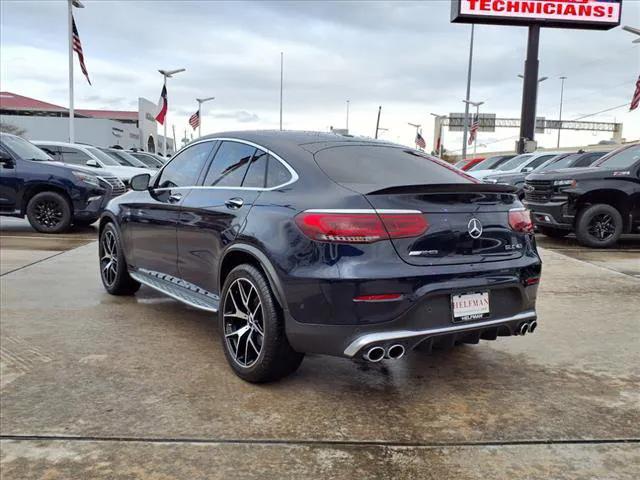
{"x": 560, "y": 116}
{"x": 378, "y": 121}
{"x": 529, "y": 89}
{"x": 466, "y": 108}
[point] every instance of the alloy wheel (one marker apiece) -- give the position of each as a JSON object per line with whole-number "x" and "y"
{"x": 243, "y": 322}
{"x": 602, "y": 226}
{"x": 48, "y": 213}
{"x": 109, "y": 258}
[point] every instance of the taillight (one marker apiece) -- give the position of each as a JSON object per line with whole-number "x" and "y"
{"x": 360, "y": 227}
{"x": 520, "y": 220}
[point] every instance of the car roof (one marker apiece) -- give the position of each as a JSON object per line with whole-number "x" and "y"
{"x": 61, "y": 144}
{"x": 307, "y": 140}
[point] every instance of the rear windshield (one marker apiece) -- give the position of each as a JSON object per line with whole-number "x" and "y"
{"x": 386, "y": 166}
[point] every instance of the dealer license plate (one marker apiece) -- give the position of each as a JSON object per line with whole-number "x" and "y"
{"x": 470, "y": 306}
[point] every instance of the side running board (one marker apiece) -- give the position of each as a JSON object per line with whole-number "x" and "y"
{"x": 179, "y": 289}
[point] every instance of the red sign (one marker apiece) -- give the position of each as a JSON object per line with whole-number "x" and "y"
{"x": 593, "y": 14}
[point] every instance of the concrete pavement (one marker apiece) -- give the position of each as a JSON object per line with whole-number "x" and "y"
{"x": 96, "y": 386}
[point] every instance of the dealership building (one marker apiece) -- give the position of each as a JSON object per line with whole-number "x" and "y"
{"x": 38, "y": 120}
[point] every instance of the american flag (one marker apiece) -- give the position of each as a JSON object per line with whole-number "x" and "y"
{"x": 420, "y": 141}
{"x": 635, "y": 101}
{"x": 77, "y": 47}
{"x": 194, "y": 120}
{"x": 474, "y": 129}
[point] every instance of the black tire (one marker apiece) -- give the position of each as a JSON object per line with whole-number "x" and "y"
{"x": 49, "y": 212}
{"x": 276, "y": 359}
{"x": 599, "y": 226}
{"x": 113, "y": 266}
{"x": 554, "y": 232}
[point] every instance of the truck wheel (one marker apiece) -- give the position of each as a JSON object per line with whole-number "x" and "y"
{"x": 599, "y": 226}
{"x": 113, "y": 266}
{"x": 49, "y": 212}
{"x": 554, "y": 232}
{"x": 252, "y": 328}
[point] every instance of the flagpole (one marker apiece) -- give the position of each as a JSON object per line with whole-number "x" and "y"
{"x": 281, "y": 83}
{"x": 475, "y": 140}
{"x": 199, "y": 117}
{"x": 71, "y": 110}
{"x": 164, "y": 124}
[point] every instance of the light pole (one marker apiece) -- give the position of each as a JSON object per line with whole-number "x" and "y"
{"x": 378, "y": 120}
{"x": 477, "y": 105}
{"x": 540, "y": 80}
{"x": 466, "y": 108}
{"x": 71, "y": 4}
{"x": 560, "y": 116}
{"x": 281, "y": 84}
{"x": 167, "y": 74}
{"x": 437, "y": 146}
{"x": 200, "y": 102}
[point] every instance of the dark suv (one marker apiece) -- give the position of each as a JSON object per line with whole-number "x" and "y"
{"x": 311, "y": 242}
{"x": 598, "y": 203}
{"x": 50, "y": 194}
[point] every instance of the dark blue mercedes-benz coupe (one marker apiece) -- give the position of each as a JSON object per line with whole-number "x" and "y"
{"x": 322, "y": 243}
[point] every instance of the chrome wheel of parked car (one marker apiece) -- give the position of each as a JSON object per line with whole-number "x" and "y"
{"x": 109, "y": 258}
{"x": 243, "y": 322}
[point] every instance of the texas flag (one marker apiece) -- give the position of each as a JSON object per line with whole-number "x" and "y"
{"x": 162, "y": 106}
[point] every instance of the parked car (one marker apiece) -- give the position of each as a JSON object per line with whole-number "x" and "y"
{"x": 149, "y": 159}
{"x": 468, "y": 163}
{"x": 598, "y": 203}
{"x": 565, "y": 160}
{"x": 491, "y": 163}
{"x": 309, "y": 242}
{"x": 51, "y": 195}
{"x": 524, "y": 163}
{"x": 123, "y": 158}
{"x": 88, "y": 156}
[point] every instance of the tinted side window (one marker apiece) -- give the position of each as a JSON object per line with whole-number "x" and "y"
{"x": 229, "y": 165}
{"x": 539, "y": 161}
{"x": 257, "y": 172}
{"x": 73, "y": 156}
{"x": 277, "y": 173}
{"x": 588, "y": 159}
{"x": 184, "y": 169}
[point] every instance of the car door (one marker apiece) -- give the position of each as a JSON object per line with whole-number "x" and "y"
{"x": 8, "y": 181}
{"x": 214, "y": 213}
{"x": 150, "y": 217}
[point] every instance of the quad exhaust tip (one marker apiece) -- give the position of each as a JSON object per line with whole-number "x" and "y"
{"x": 524, "y": 328}
{"x": 395, "y": 352}
{"x": 374, "y": 354}
{"x": 532, "y": 326}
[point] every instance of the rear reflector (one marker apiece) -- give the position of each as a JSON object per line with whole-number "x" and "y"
{"x": 532, "y": 281}
{"x": 520, "y": 220}
{"x": 360, "y": 227}
{"x": 383, "y": 297}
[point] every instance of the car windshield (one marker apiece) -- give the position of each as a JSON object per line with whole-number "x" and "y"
{"x": 487, "y": 163}
{"x": 24, "y": 149}
{"x": 620, "y": 158}
{"x": 384, "y": 166}
{"x": 123, "y": 158}
{"x": 559, "y": 162}
{"x": 515, "y": 162}
{"x": 103, "y": 157}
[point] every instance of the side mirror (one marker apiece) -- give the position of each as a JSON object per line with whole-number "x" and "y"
{"x": 5, "y": 159}
{"x": 140, "y": 183}
{"x": 92, "y": 163}
{"x": 527, "y": 169}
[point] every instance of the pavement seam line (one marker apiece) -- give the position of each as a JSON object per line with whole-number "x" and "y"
{"x": 607, "y": 269}
{"x": 327, "y": 443}
{"x": 44, "y": 259}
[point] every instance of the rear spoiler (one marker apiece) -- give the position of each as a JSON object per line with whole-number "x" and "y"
{"x": 446, "y": 188}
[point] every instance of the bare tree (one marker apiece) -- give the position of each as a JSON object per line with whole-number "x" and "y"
{"x": 13, "y": 129}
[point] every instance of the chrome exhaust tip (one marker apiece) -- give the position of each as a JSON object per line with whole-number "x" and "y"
{"x": 524, "y": 328}
{"x": 532, "y": 326}
{"x": 395, "y": 352}
{"x": 374, "y": 354}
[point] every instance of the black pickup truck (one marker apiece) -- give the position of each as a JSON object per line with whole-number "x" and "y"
{"x": 52, "y": 195}
{"x": 598, "y": 203}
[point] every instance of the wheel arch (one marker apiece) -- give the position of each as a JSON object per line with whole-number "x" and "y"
{"x": 32, "y": 190}
{"x": 615, "y": 198}
{"x": 240, "y": 253}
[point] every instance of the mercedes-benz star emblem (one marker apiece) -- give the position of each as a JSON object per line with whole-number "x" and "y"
{"x": 475, "y": 228}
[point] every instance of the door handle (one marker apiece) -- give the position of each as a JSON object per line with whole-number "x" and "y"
{"x": 175, "y": 197}
{"x": 234, "y": 203}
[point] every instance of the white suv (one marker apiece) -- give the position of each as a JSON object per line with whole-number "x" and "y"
{"x": 518, "y": 164}
{"x": 88, "y": 156}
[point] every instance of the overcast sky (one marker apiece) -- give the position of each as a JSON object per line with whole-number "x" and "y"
{"x": 404, "y": 56}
